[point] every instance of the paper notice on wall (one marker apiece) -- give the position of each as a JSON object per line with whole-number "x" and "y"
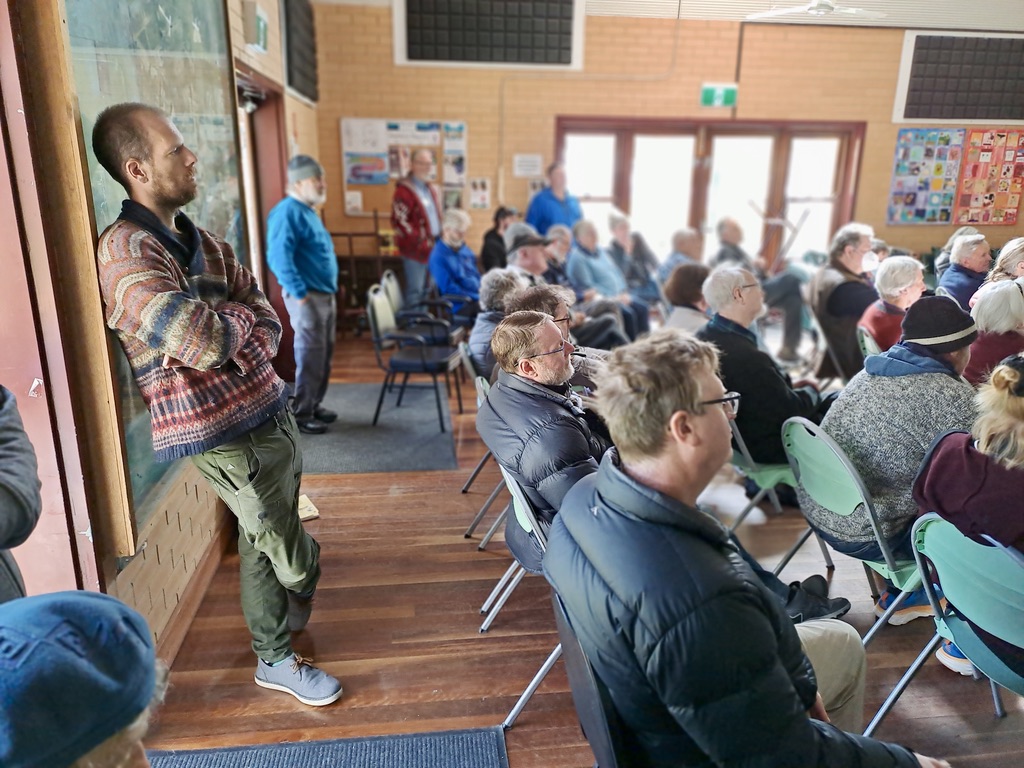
{"x": 480, "y": 194}
{"x": 527, "y": 166}
{"x": 452, "y": 197}
{"x": 455, "y": 137}
{"x": 366, "y": 167}
{"x": 413, "y": 132}
{"x": 361, "y": 135}
{"x": 454, "y": 168}
{"x": 353, "y": 202}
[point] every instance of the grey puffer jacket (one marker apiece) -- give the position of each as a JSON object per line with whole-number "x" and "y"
{"x": 20, "y": 501}
{"x": 541, "y": 437}
{"x": 702, "y": 664}
{"x": 885, "y": 420}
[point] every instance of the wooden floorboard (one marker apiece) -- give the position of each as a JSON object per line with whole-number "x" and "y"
{"x": 396, "y": 619}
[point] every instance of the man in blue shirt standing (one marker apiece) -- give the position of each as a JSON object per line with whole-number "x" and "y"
{"x": 453, "y": 266}
{"x": 554, "y": 204}
{"x": 301, "y": 255}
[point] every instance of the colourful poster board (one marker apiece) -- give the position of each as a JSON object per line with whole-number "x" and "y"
{"x": 924, "y": 176}
{"x": 993, "y": 177}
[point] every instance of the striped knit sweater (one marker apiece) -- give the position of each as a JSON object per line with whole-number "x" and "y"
{"x": 191, "y": 300}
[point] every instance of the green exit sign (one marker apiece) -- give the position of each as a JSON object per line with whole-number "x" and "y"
{"x": 718, "y": 95}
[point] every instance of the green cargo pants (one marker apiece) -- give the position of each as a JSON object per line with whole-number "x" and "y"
{"x": 258, "y": 477}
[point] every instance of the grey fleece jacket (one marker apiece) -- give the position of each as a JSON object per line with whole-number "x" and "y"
{"x": 885, "y": 420}
{"x": 20, "y": 501}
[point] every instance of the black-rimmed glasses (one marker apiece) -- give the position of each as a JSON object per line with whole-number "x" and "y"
{"x": 560, "y": 349}
{"x": 730, "y": 401}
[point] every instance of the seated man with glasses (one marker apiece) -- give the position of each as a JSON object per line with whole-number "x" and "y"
{"x": 543, "y": 434}
{"x": 700, "y": 664}
{"x": 770, "y": 396}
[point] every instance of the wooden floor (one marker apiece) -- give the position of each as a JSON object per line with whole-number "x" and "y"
{"x": 396, "y": 619}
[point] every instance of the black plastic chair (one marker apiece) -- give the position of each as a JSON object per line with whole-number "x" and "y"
{"x": 423, "y": 318}
{"x": 410, "y": 355}
{"x": 593, "y": 703}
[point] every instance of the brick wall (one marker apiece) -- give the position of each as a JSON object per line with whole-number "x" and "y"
{"x": 787, "y": 73}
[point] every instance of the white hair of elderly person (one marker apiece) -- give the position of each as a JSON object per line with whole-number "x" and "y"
{"x": 897, "y": 279}
{"x": 998, "y": 312}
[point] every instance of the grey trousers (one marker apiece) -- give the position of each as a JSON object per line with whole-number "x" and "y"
{"x": 314, "y": 323}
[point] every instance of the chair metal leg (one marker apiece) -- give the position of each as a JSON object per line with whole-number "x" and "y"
{"x": 774, "y": 498}
{"x": 380, "y": 400}
{"x": 499, "y": 587}
{"x": 458, "y": 391}
{"x": 510, "y": 719}
{"x": 748, "y": 509}
{"x": 492, "y": 614}
{"x": 997, "y": 699}
{"x": 437, "y": 397}
{"x": 479, "y": 466}
{"x": 885, "y": 617}
{"x": 902, "y": 684}
{"x": 792, "y": 551}
{"x": 825, "y": 553}
{"x": 401, "y": 391}
{"x": 872, "y": 584}
{"x": 483, "y": 509}
{"x": 492, "y": 530}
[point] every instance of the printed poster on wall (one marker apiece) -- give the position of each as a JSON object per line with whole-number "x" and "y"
{"x": 924, "y": 176}
{"x": 993, "y": 177}
{"x": 366, "y": 167}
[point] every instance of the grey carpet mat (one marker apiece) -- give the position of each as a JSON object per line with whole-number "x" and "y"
{"x": 478, "y": 748}
{"x": 406, "y": 439}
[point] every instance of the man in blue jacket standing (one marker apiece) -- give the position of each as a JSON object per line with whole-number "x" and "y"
{"x": 701, "y": 663}
{"x": 301, "y": 255}
{"x": 554, "y": 204}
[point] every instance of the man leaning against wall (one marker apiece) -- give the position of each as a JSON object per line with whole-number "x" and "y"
{"x": 200, "y": 336}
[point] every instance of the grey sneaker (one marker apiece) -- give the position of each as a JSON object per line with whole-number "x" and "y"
{"x": 299, "y": 609}
{"x": 804, "y": 606}
{"x": 301, "y": 679}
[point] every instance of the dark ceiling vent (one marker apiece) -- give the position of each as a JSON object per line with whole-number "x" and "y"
{"x": 300, "y": 48}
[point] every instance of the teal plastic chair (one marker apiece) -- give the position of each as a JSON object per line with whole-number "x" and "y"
{"x": 483, "y": 387}
{"x": 868, "y": 345}
{"x": 986, "y": 583}
{"x": 826, "y": 474}
{"x": 767, "y": 476}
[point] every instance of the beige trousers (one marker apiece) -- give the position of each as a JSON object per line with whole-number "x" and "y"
{"x": 837, "y": 656}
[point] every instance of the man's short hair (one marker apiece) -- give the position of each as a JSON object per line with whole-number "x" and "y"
{"x": 896, "y": 273}
{"x": 999, "y": 307}
{"x": 681, "y": 235}
{"x": 964, "y": 247}
{"x": 117, "y": 136}
{"x": 541, "y": 298}
{"x": 878, "y": 245}
{"x": 497, "y": 286}
{"x": 685, "y": 284}
{"x": 503, "y": 213}
{"x": 848, "y": 234}
{"x": 722, "y": 224}
{"x": 516, "y": 337}
{"x": 617, "y": 219}
{"x": 556, "y": 231}
{"x": 642, "y": 384}
{"x": 456, "y": 218}
{"x": 722, "y": 284}
{"x": 553, "y": 167}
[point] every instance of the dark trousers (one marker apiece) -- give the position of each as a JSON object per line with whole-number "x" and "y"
{"x": 313, "y": 322}
{"x": 635, "y": 318}
{"x": 783, "y": 292}
{"x": 602, "y": 332}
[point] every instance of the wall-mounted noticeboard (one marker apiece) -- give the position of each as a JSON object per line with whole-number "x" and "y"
{"x": 376, "y": 152}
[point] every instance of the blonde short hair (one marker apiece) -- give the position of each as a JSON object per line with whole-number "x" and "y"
{"x": 642, "y": 384}
{"x": 1010, "y": 255}
{"x": 999, "y": 429}
{"x": 516, "y": 337}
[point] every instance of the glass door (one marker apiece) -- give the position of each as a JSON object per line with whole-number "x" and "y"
{"x": 661, "y": 188}
{"x": 738, "y": 188}
{"x": 590, "y": 170}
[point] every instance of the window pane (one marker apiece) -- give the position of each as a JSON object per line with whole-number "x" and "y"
{"x": 659, "y": 207}
{"x": 812, "y": 167}
{"x": 815, "y": 233}
{"x": 598, "y": 211}
{"x": 740, "y": 171}
{"x": 590, "y": 164}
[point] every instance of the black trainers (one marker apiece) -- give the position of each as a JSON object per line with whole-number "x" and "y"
{"x": 301, "y": 679}
{"x": 326, "y": 415}
{"x": 804, "y": 605}
{"x": 311, "y": 426}
{"x": 817, "y": 585}
{"x": 299, "y": 609}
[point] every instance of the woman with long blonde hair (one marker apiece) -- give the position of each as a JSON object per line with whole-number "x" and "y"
{"x": 974, "y": 480}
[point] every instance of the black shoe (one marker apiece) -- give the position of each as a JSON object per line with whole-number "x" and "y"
{"x": 816, "y": 585}
{"x": 326, "y": 415}
{"x": 311, "y": 426}
{"x": 804, "y": 606}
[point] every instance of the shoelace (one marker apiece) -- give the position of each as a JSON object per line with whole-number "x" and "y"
{"x": 301, "y": 661}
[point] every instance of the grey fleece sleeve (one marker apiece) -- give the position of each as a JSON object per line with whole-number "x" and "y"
{"x": 20, "y": 502}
